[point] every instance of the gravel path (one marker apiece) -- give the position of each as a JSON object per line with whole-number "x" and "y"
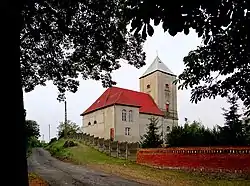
{"x": 59, "y": 173}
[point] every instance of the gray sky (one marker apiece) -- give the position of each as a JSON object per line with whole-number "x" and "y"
{"x": 43, "y": 107}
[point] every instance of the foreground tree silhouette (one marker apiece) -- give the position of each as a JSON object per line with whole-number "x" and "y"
{"x": 152, "y": 139}
{"x": 225, "y": 50}
{"x": 61, "y": 41}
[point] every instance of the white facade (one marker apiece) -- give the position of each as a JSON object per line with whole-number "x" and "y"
{"x": 130, "y": 130}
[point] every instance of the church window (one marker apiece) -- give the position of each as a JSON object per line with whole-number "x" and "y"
{"x": 127, "y": 131}
{"x": 89, "y": 123}
{"x": 130, "y": 116}
{"x": 95, "y": 122}
{"x": 148, "y": 86}
{"x": 124, "y": 115}
{"x": 168, "y": 128}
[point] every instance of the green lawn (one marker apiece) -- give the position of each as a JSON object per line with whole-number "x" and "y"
{"x": 92, "y": 158}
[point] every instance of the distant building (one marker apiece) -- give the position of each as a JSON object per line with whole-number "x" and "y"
{"x": 123, "y": 114}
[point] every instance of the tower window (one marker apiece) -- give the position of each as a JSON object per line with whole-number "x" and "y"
{"x": 148, "y": 86}
{"x": 167, "y": 86}
{"x": 89, "y": 123}
{"x": 167, "y": 107}
{"x": 95, "y": 122}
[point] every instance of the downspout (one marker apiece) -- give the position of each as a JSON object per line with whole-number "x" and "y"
{"x": 114, "y": 120}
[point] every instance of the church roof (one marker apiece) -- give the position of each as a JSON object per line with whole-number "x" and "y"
{"x": 157, "y": 65}
{"x": 121, "y": 96}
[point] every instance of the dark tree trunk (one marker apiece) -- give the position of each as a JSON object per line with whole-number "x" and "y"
{"x": 13, "y": 151}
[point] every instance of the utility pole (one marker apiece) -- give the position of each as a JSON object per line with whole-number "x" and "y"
{"x": 65, "y": 122}
{"x": 49, "y": 132}
{"x": 65, "y": 109}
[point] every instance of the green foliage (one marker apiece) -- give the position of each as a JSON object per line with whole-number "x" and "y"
{"x": 225, "y": 49}
{"x": 152, "y": 139}
{"x": 52, "y": 141}
{"x": 32, "y": 129}
{"x": 235, "y": 131}
{"x": 62, "y": 40}
{"x": 194, "y": 134}
{"x": 67, "y": 129}
{"x": 69, "y": 143}
{"x": 32, "y": 134}
{"x": 56, "y": 149}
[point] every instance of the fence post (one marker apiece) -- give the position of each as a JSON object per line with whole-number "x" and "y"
{"x": 109, "y": 147}
{"x": 126, "y": 152}
{"x": 117, "y": 149}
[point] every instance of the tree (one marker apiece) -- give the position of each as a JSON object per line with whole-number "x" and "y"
{"x": 152, "y": 138}
{"x": 225, "y": 49}
{"x": 234, "y": 132}
{"x": 194, "y": 134}
{"x": 32, "y": 129}
{"x": 32, "y": 133}
{"x": 67, "y": 129}
{"x": 62, "y": 39}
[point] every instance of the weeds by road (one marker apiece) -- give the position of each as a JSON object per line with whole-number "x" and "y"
{"x": 85, "y": 155}
{"x": 35, "y": 180}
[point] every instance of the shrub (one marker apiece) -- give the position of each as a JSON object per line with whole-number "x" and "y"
{"x": 52, "y": 141}
{"x": 69, "y": 143}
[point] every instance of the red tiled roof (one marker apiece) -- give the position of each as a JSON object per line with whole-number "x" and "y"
{"x": 121, "y": 96}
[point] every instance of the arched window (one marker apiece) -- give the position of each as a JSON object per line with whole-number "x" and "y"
{"x": 148, "y": 86}
{"x": 95, "y": 122}
{"x": 89, "y": 123}
{"x": 168, "y": 128}
{"x": 124, "y": 115}
{"x": 167, "y": 86}
{"x": 130, "y": 116}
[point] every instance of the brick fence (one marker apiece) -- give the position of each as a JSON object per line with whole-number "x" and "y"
{"x": 226, "y": 159}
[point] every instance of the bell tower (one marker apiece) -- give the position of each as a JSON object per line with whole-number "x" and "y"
{"x": 158, "y": 82}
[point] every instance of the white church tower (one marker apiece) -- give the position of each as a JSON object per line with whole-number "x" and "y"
{"x": 158, "y": 82}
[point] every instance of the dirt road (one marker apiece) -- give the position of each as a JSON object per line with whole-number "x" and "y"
{"x": 59, "y": 173}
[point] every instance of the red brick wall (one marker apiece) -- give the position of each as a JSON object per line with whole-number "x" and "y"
{"x": 202, "y": 158}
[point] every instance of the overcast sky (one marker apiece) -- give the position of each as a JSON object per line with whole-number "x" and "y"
{"x": 43, "y": 107}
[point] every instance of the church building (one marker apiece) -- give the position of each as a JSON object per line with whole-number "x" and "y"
{"x": 122, "y": 114}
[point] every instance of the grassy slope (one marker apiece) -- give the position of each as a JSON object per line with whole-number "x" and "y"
{"x": 90, "y": 157}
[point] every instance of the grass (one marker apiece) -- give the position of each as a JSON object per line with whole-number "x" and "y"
{"x": 92, "y": 158}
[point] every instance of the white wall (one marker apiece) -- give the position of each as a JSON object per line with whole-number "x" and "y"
{"x": 144, "y": 121}
{"x": 120, "y": 125}
{"x": 105, "y": 121}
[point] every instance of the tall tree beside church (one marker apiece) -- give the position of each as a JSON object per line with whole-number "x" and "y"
{"x": 225, "y": 49}
{"x": 152, "y": 138}
{"x": 234, "y": 132}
